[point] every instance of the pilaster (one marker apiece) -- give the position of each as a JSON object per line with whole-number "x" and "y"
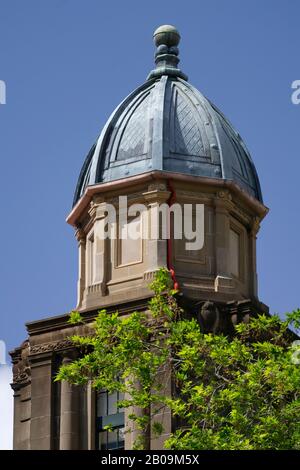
{"x": 69, "y": 412}
{"x": 156, "y": 249}
{"x": 223, "y": 280}
{"x": 81, "y": 237}
{"x": 41, "y": 401}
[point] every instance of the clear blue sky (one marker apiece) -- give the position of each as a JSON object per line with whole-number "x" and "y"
{"x": 68, "y": 63}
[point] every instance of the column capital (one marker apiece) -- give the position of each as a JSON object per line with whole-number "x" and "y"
{"x": 97, "y": 210}
{"x": 156, "y": 196}
{"x": 255, "y": 226}
{"x": 223, "y": 201}
{"x": 80, "y": 235}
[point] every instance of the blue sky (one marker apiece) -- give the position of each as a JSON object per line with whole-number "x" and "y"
{"x": 68, "y": 63}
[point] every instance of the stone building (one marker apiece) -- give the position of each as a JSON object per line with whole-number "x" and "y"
{"x": 165, "y": 142}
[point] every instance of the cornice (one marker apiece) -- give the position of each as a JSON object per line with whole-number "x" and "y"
{"x": 61, "y": 321}
{"x": 220, "y": 184}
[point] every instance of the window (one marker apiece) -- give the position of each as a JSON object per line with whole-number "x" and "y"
{"x": 234, "y": 253}
{"x": 107, "y": 413}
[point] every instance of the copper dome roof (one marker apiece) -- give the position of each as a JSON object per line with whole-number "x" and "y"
{"x": 167, "y": 124}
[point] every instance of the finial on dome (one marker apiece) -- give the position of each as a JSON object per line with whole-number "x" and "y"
{"x": 166, "y": 38}
{"x": 166, "y": 34}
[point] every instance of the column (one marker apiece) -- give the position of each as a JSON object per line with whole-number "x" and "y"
{"x": 41, "y": 400}
{"x": 100, "y": 262}
{"x": 223, "y": 281}
{"x": 69, "y": 412}
{"x": 156, "y": 249}
{"x": 252, "y": 256}
{"x": 80, "y": 235}
{"x": 91, "y": 417}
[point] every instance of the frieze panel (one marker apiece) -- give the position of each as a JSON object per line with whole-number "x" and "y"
{"x": 51, "y": 347}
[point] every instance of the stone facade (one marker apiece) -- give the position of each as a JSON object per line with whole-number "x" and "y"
{"x": 221, "y": 270}
{"x": 50, "y": 415}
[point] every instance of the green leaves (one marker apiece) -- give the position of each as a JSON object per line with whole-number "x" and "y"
{"x": 162, "y": 282}
{"x": 293, "y": 319}
{"x": 227, "y": 393}
{"x": 236, "y": 393}
{"x": 75, "y": 318}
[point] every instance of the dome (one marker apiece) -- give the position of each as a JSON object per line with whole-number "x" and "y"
{"x": 168, "y": 125}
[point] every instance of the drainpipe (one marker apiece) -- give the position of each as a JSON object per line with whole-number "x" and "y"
{"x": 171, "y": 200}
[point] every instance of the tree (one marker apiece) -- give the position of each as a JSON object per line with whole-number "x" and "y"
{"x": 239, "y": 392}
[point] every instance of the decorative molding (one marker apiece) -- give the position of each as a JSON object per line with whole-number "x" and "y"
{"x": 158, "y": 186}
{"x": 198, "y": 197}
{"x": 209, "y": 317}
{"x": 149, "y": 275}
{"x": 80, "y": 235}
{"x": 219, "y": 317}
{"x": 99, "y": 287}
{"x": 123, "y": 280}
{"x": 51, "y": 347}
{"x": 224, "y": 284}
{"x": 224, "y": 195}
{"x": 98, "y": 199}
{"x": 159, "y": 175}
{"x": 22, "y": 377}
{"x": 255, "y": 226}
{"x": 156, "y": 196}
{"x": 21, "y": 366}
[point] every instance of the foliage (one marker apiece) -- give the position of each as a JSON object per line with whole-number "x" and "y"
{"x": 230, "y": 393}
{"x": 236, "y": 393}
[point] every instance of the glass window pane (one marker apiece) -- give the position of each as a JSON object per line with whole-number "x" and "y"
{"x": 102, "y": 404}
{"x": 112, "y": 402}
{"x": 107, "y": 413}
{"x": 112, "y": 441}
{"x": 121, "y": 438}
{"x": 102, "y": 443}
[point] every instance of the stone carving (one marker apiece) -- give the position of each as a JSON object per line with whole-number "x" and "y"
{"x": 255, "y": 226}
{"x": 220, "y": 317}
{"x": 149, "y": 276}
{"x": 80, "y": 235}
{"x": 157, "y": 186}
{"x": 209, "y": 317}
{"x": 224, "y": 195}
{"x": 21, "y": 367}
{"x": 240, "y": 311}
{"x": 22, "y": 376}
{"x": 203, "y": 197}
{"x": 20, "y": 358}
{"x": 49, "y": 347}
